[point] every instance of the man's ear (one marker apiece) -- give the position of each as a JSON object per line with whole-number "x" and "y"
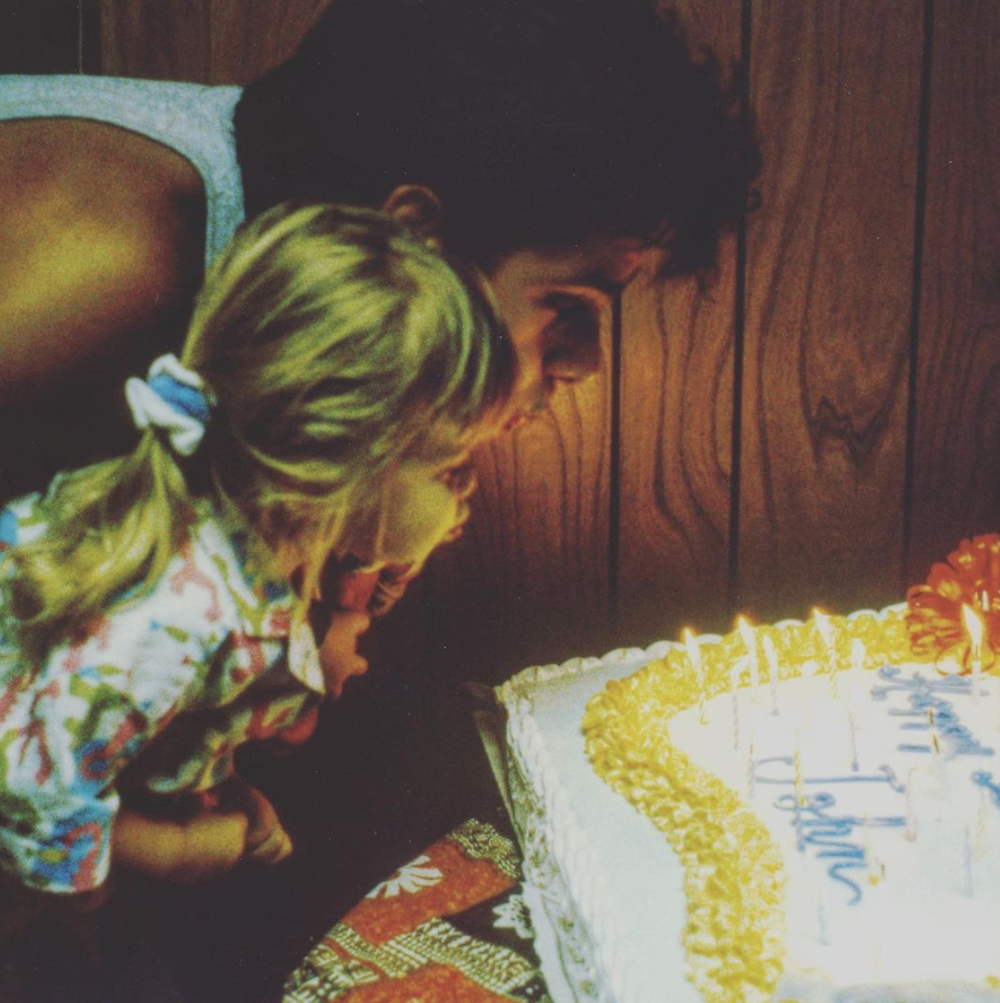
{"x": 420, "y": 208}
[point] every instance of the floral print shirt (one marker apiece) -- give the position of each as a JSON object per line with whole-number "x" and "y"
{"x": 154, "y": 699}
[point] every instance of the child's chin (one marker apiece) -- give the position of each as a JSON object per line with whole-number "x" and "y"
{"x": 454, "y": 534}
{"x": 336, "y": 679}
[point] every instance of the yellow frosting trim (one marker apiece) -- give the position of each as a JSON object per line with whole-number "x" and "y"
{"x": 734, "y": 938}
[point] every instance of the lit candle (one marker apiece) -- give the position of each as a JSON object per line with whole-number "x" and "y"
{"x": 911, "y": 816}
{"x": 800, "y": 792}
{"x": 824, "y": 929}
{"x": 858, "y": 655}
{"x": 694, "y": 654}
{"x": 852, "y": 729}
{"x": 749, "y": 636}
{"x": 935, "y": 741}
{"x": 772, "y": 669}
{"x": 875, "y": 869}
{"x": 825, "y": 630}
{"x": 969, "y": 889}
{"x": 734, "y": 684}
{"x": 941, "y": 775}
{"x": 974, "y": 626}
{"x": 981, "y": 826}
{"x": 807, "y": 671}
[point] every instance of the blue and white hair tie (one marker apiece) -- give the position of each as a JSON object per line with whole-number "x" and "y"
{"x": 172, "y": 398}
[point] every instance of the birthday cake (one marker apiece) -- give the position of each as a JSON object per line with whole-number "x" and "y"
{"x": 818, "y": 817}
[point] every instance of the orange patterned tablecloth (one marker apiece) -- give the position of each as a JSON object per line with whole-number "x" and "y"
{"x": 448, "y": 927}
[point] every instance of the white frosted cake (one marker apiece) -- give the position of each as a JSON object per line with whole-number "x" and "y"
{"x": 792, "y": 814}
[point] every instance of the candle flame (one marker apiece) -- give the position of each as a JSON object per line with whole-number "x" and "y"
{"x": 824, "y": 627}
{"x": 974, "y": 626}
{"x": 693, "y": 648}
{"x": 747, "y": 632}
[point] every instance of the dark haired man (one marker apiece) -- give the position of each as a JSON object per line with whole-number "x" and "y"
{"x": 549, "y": 142}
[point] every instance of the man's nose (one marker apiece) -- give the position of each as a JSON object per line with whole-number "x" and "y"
{"x": 574, "y": 362}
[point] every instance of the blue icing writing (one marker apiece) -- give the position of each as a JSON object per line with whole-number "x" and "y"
{"x": 819, "y": 829}
{"x": 885, "y": 775}
{"x": 926, "y": 695}
{"x": 985, "y": 780}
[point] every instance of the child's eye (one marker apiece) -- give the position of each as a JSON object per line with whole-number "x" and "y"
{"x": 461, "y": 479}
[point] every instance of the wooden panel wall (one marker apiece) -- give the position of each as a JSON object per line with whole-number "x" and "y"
{"x": 829, "y": 279}
{"x": 207, "y": 41}
{"x": 675, "y": 454}
{"x": 814, "y": 431}
{"x": 956, "y": 440}
{"x": 530, "y": 579}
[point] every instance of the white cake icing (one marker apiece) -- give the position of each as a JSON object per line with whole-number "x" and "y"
{"x": 933, "y": 915}
{"x": 907, "y": 911}
{"x": 570, "y": 825}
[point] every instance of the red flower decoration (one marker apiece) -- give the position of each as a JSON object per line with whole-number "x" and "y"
{"x": 971, "y": 577}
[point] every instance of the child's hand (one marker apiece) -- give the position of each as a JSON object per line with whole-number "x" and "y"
{"x": 204, "y": 846}
{"x": 213, "y": 844}
{"x": 266, "y": 841}
{"x": 236, "y": 823}
{"x": 339, "y": 653}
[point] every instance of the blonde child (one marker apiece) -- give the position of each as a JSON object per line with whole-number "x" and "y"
{"x": 154, "y": 608}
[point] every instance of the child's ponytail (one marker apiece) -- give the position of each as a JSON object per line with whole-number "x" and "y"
{"x": 110, "y": 527}
{"x": 334, "y": 345}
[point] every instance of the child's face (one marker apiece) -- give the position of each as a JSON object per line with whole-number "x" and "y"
{"x": 428, "y": 503}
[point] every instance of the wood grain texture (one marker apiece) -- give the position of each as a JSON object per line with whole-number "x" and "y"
{"x": 675, "y": 458}
{"x": 169, "y": 40}
{"x": 956, "y": 487}
{"x": 676, "y": 427}
{"x": 251, "y": 36}
{"x": 528, "y": 582}
{"x": 205, "y": 41}
{"x": 829, "y": 280}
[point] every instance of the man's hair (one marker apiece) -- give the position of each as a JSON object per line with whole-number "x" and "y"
{"x": 537, "y": 122}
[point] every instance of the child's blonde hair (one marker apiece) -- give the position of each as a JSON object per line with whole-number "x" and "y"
{"x": 337, "y": 345}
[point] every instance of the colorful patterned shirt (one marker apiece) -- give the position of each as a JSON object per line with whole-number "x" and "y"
{"x": 155, "y": 698}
